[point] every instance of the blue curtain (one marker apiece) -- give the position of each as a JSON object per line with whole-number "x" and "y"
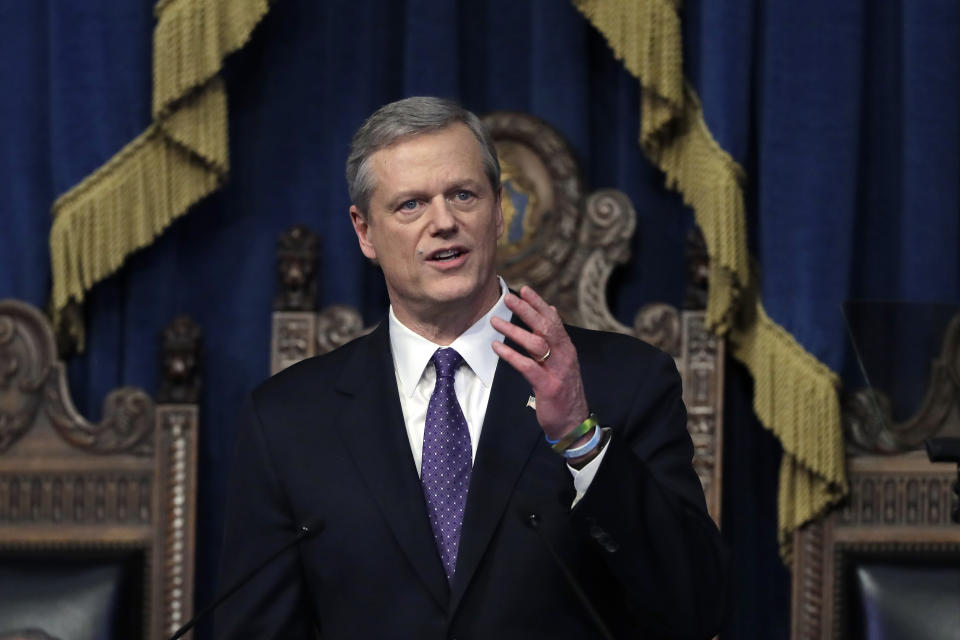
{"x": 844, "y": 115}
{"x": 311, "y": 74}
{"x": 847, "y": 118}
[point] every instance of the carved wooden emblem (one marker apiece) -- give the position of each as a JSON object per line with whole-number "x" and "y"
{"x": 296, "y": 263}
{"x": 27, "y": 354}
{"x": 180, "y": 367}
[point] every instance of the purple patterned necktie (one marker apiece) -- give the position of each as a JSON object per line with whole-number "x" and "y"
{"x": 447, "y": 459}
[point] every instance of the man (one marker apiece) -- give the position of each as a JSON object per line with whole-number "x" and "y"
{"x": 443, "y": 494}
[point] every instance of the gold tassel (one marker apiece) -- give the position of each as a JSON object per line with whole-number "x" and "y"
{"x": 795, "y": 395}
{"x": 181, "y": 158}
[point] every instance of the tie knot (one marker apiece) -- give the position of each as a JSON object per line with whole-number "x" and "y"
{"x": 446, "y": 361}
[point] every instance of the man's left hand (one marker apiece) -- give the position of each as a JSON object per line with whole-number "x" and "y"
{"x": 551, "y": 367}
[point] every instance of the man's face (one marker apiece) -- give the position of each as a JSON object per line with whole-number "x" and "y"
{"x": 433, "y": 223}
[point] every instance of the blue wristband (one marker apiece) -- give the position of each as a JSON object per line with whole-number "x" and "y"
{"x": 588, "y": 447}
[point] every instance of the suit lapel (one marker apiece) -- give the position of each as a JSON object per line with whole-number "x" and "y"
{"x": 510, "y": 433}
{"x": 374, "y": 433}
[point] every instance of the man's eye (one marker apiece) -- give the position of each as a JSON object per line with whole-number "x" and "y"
{"x": 463, "y": 196}
{"x": 409, "y": 205}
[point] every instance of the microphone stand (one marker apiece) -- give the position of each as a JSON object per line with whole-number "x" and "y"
{"x": 304, "y": 532}
{"x": 533, "y": 521}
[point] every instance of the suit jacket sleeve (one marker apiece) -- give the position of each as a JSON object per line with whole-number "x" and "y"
{"x": 645, "y": 509}
{"x": 259, "y": 521}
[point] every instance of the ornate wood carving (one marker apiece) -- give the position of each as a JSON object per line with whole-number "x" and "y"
{"x": 807, "y": 615}
{"x": 27, "y": 354}
{"x": 296, "y": 265}
{"x": 180, "y": 344}
{"x": 868, "y": 418}
{"x": 127, "y": 425}
{"x": 31, "y": 376}
{"x": 557, "y": 242}
{"x": 177, "y": 458}
{"x": 896, "y": 503}
{"x": 66, "y": 483}
{"x": 337, "y": 325}
{"x": 76, "y": 498}
{"x": 883, "y": 499}
{"x": 659, "y": 324}
{"x": 700, "y": 364}
{"x": 294, "y": 337}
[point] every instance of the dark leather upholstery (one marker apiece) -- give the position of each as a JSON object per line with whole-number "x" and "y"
{"x": 908, "y": 600}
{"x": 71, "y": 596}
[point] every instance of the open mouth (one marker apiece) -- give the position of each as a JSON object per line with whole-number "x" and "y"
{"x": 446, "y": 255}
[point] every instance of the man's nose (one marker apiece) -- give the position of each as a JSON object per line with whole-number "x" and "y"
{"x": 442, "y": 218}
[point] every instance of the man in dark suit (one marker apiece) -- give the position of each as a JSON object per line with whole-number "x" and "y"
{"x": 453, "y": 502}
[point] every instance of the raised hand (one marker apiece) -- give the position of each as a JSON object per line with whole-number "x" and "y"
{"x": 550, "y": 366}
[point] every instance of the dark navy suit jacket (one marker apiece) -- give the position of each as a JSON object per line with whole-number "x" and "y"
{"x": 325, "y": 439}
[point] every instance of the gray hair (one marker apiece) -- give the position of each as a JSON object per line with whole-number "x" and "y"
{"x": 403, "y": 119}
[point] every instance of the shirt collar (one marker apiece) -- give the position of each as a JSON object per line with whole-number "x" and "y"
{"x": 412, "y": 352}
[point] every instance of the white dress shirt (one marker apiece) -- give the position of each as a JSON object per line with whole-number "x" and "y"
{"x": 416, "y": 380}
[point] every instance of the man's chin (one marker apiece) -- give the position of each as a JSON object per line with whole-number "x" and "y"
{"x": 461, "y": 293}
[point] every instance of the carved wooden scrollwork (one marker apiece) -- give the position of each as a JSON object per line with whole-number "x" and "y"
{"x": 27, "y": 354}
{"x": 868, "y": 417}
{"x": 555, "y": 241}
{"x": 127, "y": 424}
{"x": 337, "y": 325}
{"x": 32, "y": 377}
{"x": 659, "y": 324}
{"x": 605, "y": 236}
{"x": 296, "y": 263}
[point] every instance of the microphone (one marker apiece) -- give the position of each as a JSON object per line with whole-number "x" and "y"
{"x": 532, "y": 520}
{"x": 304, "y": 531}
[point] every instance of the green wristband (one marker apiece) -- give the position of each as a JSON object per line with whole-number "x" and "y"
{"x": 579, "y": 431}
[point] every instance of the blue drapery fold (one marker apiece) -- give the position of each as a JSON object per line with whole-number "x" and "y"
{"x": 847, "y": 119}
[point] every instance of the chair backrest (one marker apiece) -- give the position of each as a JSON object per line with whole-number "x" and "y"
{"x": 563, "y": 242}
{"x": 887, "y": 562}
{"x": 96, "y": 520}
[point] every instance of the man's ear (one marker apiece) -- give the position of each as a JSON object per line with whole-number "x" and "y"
{"x": 362, "y": 228}
{"x": 499, "y": 212}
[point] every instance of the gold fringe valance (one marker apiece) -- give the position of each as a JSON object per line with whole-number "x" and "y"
{"x": 181, "y": 157}
{"x": 795, "y": 395}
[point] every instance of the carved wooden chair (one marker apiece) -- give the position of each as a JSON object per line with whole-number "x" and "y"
{"x": 887, "y": 562}
{"x": 563, "y": 242}
{"x": 96, "y": 520}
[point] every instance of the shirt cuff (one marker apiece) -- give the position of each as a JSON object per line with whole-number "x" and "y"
{"x": 583, "y": 477}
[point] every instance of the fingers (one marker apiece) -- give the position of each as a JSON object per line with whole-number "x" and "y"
{"x": 528, "y": 368}
{"x": 535, "y": 345}
{"x": 535, "y": 312}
